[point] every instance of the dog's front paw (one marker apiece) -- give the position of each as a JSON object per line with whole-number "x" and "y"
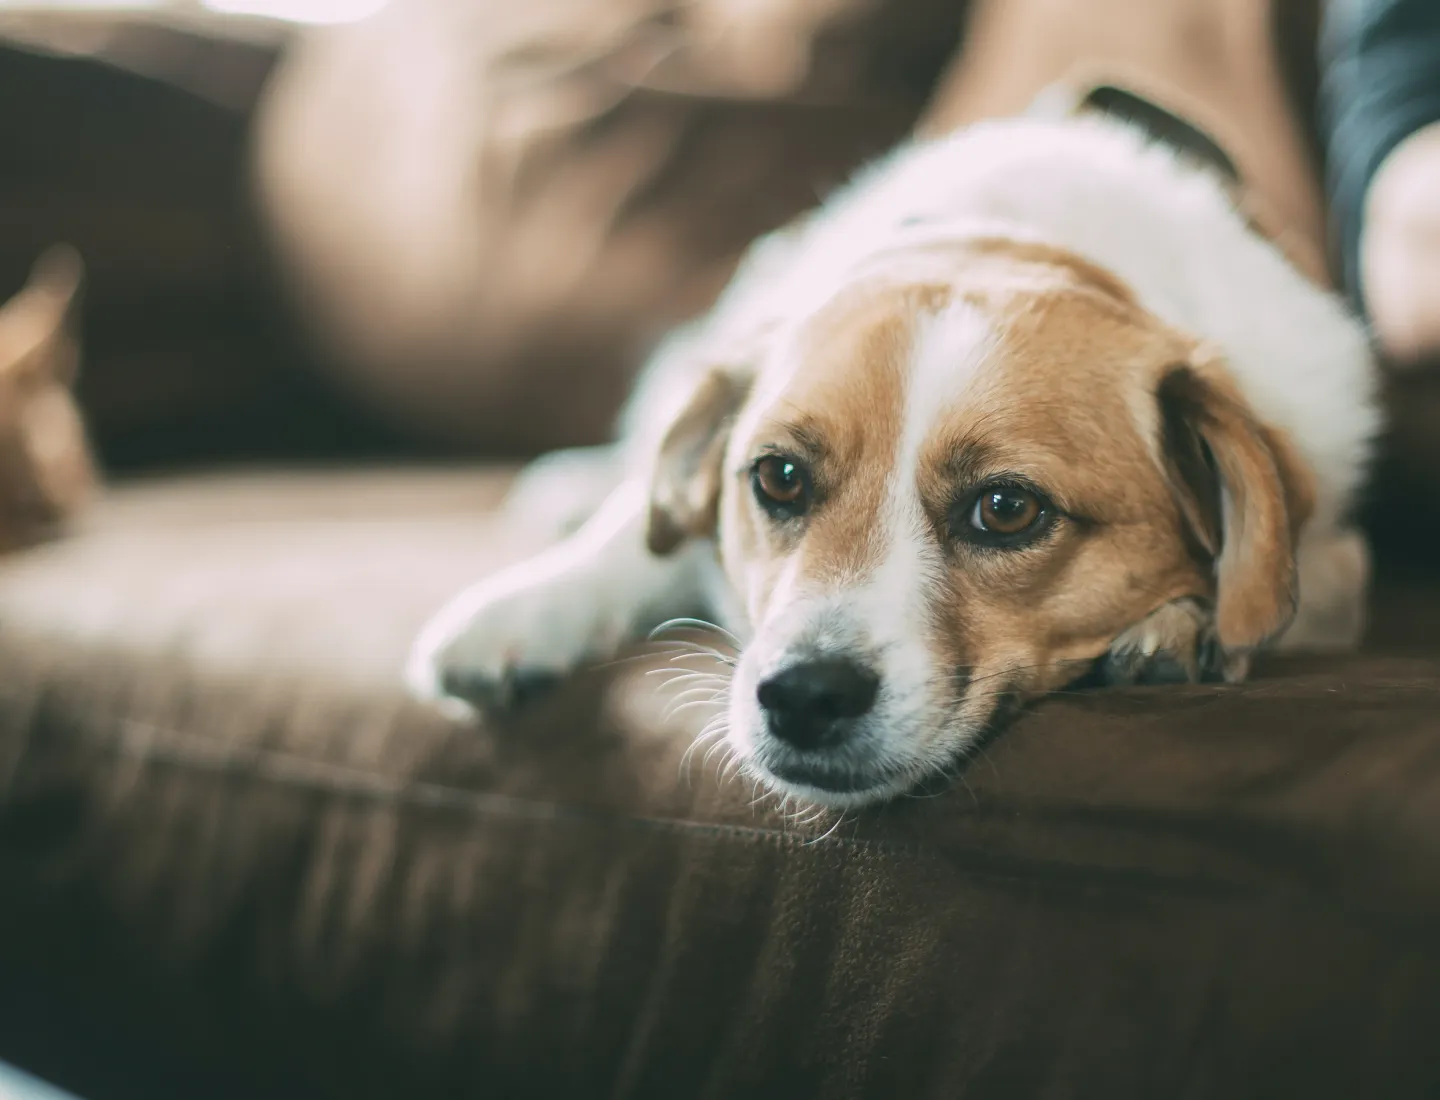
{"x": 1171, "y": 645}
{"x": 507, "y": 639}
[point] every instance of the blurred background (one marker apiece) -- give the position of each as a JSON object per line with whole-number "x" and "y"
{"x": 335, "y": 228}
{"x": 348, "y": 242}
{"x": 340, "y": 229}
{"x": 126, "y": 134}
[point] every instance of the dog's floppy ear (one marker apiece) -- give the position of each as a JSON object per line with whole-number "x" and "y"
{"x": 1244, "y": 495}
{"x": 685, "y": 481}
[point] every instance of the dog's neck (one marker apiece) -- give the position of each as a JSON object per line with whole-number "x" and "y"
{"x": 1163, "y": 125}
{"x": 1170, "y": 120}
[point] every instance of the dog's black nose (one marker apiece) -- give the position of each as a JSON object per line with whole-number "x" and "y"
{"x": 807, "y": 705}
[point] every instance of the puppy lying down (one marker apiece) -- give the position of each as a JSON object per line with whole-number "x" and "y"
{"x": 1022, "y": 405}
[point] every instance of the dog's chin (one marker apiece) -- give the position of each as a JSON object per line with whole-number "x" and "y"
{"x": 837, "y": 788}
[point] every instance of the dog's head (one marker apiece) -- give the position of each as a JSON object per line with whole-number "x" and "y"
{"x": 958, "y": 483}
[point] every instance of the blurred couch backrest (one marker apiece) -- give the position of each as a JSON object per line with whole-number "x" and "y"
{"x": 132, "y": 147}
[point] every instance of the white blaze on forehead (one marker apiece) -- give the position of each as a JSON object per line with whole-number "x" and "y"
{"x": 948, "y": 352}
{"x": 950, "y": 348}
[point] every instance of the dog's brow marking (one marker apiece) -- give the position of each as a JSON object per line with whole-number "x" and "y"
{"x": 802, "y": 436}
{"x": 949, "y": 348}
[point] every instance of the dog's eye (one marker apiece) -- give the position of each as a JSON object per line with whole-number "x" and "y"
{"x": 1006, "y": 511}
{"x": 782, "y": 486}
{"x": 1003, "y": 514}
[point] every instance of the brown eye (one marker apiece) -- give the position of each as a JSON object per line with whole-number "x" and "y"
{"x": 782, "y": 486}
{"x": 1006, "y": 510}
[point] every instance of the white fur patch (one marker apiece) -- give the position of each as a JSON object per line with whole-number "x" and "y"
{"x": 949, "y": 350}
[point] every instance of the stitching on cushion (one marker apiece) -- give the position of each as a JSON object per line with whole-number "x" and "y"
{"x": 139, "y": 741}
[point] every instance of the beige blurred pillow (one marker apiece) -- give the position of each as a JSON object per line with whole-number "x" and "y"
{"x": 490, "y": 211}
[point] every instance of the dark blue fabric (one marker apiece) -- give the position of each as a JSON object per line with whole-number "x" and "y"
{"x": 1380, "y": 70}
{"x": 15, "y": 1085}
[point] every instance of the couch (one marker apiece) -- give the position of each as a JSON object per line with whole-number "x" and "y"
{"x": 235, "y": 861}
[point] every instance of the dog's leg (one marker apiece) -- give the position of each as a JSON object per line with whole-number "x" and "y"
{"x": 503, "y": 638}
{"x": 1334, "y": 570}
{"x": 554, "y": 495}
{"x": 1174, "y": 643}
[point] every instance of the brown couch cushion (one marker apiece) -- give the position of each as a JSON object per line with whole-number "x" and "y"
{"x": 227, "y": 837}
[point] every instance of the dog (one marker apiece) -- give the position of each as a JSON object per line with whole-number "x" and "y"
{"x": 1029, "y": 403}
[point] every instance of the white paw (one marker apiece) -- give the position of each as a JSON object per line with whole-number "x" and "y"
{"x": 1167, "y": 646}
{"x": 510, "y": 636}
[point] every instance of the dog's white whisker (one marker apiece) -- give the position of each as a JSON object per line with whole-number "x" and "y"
{"x": 677, "y": 698}
{"x": 682, "y": 708}
{"x": 672, "y": 676}
{"x": 732, "y": 765}
{"x": 758, "y": 792}
{"x": 713, "y": 729}
{"x": 681, "y": 664}
{"x": 720, "y": 723}
{"x": 721, "y": 769}
{"x": 681, "y": 676}
{"x": 694, "y": 648}
{"x": 717, "y": 724}
{"x": 701, "y": 692}
{"x": 626, "y": 659}
{"x": 685, "y": 687}
{"x": 695, "y": 624}
{"x": 797, "y": 815}
{"x": 839, "y": 820}
{"x": 719, "y": 746}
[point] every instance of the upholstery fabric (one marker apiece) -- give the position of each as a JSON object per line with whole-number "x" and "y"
{"x": 226, "y": 837}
